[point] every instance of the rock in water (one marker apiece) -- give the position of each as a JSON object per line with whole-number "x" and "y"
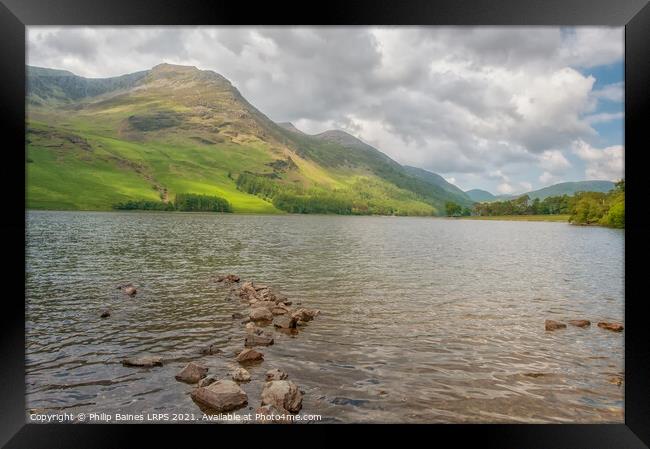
{"x": 551, "y": 325}
{"x": 105, "y": 313}
{"x": 211, "y": 349}
{"x": 146, "y": 361}
{"x": 207, "y": 381}
{"x": 240, "y": 375}
{"x": 305, "y": 314}
{"x": 128, "y": 289}
{"x": 261, "y": 314}
{"x": 285, "y": 322}
{"x": 249, "y": 355}
{"x": 276, "y": 374}
{"x": 270, "y": 414}
{"x": 616, "y": 327}
{"x": 251, "y": 328}
{"x": 192, "y": 373}
{"x": 580, "y": 323}
{"x": 279, "y": 310}
{"x": 221, "y": 396}
{"x": 258, "y": 340}
{"x": 247, "y": 291}
{"x": 230, "y": 278}
{"x": 282, "y": 394}
{"x": 237, "y": 316}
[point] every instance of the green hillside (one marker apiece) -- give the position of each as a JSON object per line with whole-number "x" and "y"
{"x": 570, "y": 188}
{"x": 148, "y": 136}
{"x": 480, "y": 196}
{"x": 456, "y": 194}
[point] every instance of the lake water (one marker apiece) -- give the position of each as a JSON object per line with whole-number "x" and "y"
{"x": 422, "y": 319}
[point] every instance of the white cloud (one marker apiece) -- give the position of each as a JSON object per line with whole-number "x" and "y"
{"x": 593, "y": 46}
{"x": 505, "y": 189}
{"x": 604, "y": 117}
{"x": 606, "y": 163}
{"x": 610, "y": 92}
{"x": 547, "y": 178}
{"x": 553, "y": 161}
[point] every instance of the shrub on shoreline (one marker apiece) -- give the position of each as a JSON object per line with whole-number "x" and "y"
{"x": 184, "y": 202}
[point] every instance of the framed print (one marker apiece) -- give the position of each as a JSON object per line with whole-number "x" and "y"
{"x": 411, "y": 217}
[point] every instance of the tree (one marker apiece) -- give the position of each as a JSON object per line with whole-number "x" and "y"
{"x": 453, "y": 209}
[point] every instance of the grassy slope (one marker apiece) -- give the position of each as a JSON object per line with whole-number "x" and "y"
{"x": 71, "y": 177}
{"x": 87, "y": 155}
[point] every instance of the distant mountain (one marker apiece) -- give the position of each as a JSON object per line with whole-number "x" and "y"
{"x": 570, "y": 188}
{"x": 147, "y": 136}
{"x": 50, "y": 86}
{"x": 479, "y": 195}
{"x": 563, "y": 188}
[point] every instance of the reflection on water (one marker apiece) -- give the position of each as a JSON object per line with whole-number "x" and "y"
{"x": 423, "y": 320}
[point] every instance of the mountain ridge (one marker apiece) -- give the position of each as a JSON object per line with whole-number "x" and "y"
{"x": 178, "y": 129}
{"x": 561, "y": 188}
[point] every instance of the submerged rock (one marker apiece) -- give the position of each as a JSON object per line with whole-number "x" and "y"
{"x": 240, "y": 375}
{"x": 305, "y": 314}
{"x": 207, "y": 381}
{"x": 276, "y": 374}
{"x": 261, "y": 314}
{"x": 237, "y": 316}
{"x": 105, "y": 313}
{"x": 285, "y": 322}
{"x": 580, "y": 323}
{"x": 282, "y": 394}
{"x": 250, "y": 327}
{"x": 192, "y": 373}
{"x": 127, "y": 289}
{"x": 211, "y": 349}
{"x": 145, "y": 361}
{"x": 229, "y": 278}
{"x": 255, "y": 339}
{"x": 551, "y": 325}
{"x": 249, "y": 355}
{"x": 616, "y": 380}
{"x": 221, "y": 396}
{"x": 615, "y": 327}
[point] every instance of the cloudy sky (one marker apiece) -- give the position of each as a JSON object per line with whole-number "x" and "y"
{"x": 499, "y": 108}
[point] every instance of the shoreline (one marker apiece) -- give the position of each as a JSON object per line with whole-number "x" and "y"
{"x": 553, "y": 218}
{"x": 548, "y": 218}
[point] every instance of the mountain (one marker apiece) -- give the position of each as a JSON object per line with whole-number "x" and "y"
{"x": 436, "y": 179}
{"x": 563, "y": 188}
{"x": 289, "y": 127}
{"x": 480, "y": 196}
{"x": 570, "y": 188}
{"x": 147, "y": 136}
{"x": 60, "y": 86}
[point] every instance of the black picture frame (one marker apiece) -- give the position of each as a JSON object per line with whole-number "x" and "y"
{"x": 16, "y": 14}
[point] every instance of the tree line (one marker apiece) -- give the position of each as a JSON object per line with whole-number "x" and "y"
{"x": 184, "y": 202}
{"x": 605, "y": 209}
{"x": 364, "y": 197}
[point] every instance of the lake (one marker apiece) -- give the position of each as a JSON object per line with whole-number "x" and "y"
{"x": 422, "y": 319}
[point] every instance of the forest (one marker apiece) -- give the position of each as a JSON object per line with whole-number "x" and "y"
{"x": 365, "y": 197}
{"x": 184, "y": 202}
